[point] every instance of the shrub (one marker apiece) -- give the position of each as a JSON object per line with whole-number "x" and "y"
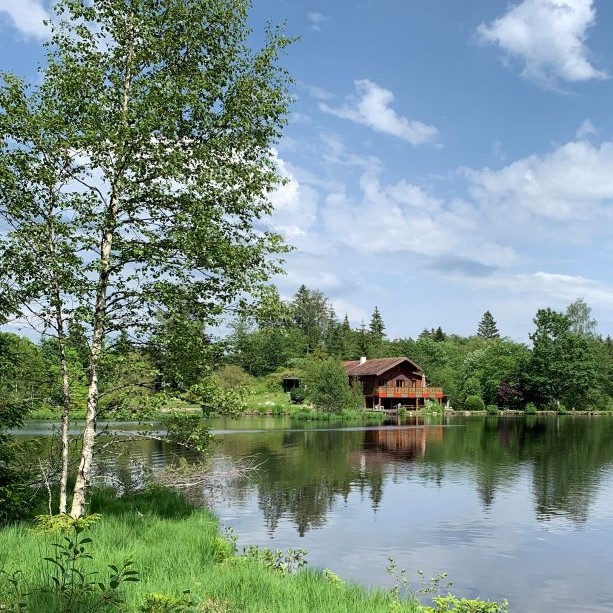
{"x": 327, "y": 384}
{"x": 530, "y": 409}
{"x": 231, "y": 376}
{"x": 451, "y": 604}
{"x": 491, "y": 409}
{"x": 297, "y": 395}
{"x": 474, "y": 403}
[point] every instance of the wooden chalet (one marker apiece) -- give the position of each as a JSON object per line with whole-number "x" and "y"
{"x": 389, "y": 382}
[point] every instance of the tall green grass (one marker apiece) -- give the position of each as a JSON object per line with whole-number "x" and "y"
{"x": 176, "y": 548}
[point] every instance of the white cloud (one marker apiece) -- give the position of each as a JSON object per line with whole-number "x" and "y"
{"x": 547, "y": 288}
{"x": 316, "y": 20}
{"x": 586, "y": 129}
{"x": 372, "y": 108}
{"x": 402, "y": 218}
{"x": 573, "y": 183}
{"x": 295, "y": 205}
{"x": 548, "y": 36}
{"x": 27, "y": 16}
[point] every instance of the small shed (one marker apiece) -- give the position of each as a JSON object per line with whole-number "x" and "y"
{"x": 289, "y": 383}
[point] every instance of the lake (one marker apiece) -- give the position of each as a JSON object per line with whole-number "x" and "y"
{"x": 509, "y": 507}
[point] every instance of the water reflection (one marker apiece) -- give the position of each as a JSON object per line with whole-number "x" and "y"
{"x": 510, "y": 507}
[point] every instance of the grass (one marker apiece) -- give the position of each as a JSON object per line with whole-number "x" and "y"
{"x": 176, "y": 548}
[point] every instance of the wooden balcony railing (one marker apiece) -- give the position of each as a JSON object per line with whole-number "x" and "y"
{"x": 408, "y": 392}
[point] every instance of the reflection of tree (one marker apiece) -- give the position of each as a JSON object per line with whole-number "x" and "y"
{"x": 304, "y": 474}
{"x": 568, "y": 462}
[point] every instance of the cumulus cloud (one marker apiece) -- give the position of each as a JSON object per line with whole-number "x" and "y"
{"x": 372, "y": 107}
{"x": 295, "y": 205}
{"x": 552, "y": 288}
{"x": 572, "y": 183}
{"x": 548, "y": 37}
{"x": 403, "y": 218}
{"x": 27, "y": 16}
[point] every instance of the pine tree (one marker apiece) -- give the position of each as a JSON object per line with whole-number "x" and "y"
{"x": 487, "y": 327}
{"x": 377, "y": 327}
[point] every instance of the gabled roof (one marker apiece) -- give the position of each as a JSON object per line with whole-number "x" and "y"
{"x": 376, "y": 367}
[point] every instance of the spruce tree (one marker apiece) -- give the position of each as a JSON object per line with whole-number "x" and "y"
{"x": 487, "y": 327}
{"x": 377, "y": 327}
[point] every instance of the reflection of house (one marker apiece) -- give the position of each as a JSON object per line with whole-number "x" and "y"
{"x": 389, "y": 382}
{"x": 402, "y": 442}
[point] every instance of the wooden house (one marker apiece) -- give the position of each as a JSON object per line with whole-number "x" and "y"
{"x": 389, "y": 382}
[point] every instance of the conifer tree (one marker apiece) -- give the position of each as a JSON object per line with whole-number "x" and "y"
{"x": 487, "y": 327}
{"x": 377, "y": 327}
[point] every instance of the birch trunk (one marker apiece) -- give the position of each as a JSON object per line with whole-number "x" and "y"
{"x": 65, "y": 412}
{"x": 99, "y": 320}
{"x": 89, "y": 430}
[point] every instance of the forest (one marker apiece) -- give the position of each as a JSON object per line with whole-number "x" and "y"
{"x": 567, "y": 367}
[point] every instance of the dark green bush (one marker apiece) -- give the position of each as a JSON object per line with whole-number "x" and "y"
{"x": 474, "y": 403}
{"x": 297, "y": 395}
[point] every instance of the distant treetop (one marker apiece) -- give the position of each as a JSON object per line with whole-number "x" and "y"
{"x": 487, "y": 327}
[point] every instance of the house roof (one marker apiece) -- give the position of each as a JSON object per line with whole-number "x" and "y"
{"x": 376, "y": 367}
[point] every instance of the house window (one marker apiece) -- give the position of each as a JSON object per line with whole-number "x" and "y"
{"x": 399, "y": 382}
{"x": 381, "y": 382}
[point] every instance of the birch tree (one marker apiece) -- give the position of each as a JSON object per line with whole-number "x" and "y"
{"x": 137, "y": 172}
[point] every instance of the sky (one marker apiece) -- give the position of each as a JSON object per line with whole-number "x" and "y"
{"x": 442, "y": 158}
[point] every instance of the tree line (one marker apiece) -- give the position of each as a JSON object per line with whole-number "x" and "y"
{"x": 568, "y": 365}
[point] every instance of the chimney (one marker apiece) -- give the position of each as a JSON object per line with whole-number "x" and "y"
{"x": 362, "y": 359}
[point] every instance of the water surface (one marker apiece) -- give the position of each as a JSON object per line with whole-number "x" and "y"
{"x": 516, "y": 508}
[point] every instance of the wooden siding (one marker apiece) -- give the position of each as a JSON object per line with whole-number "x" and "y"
{"x": 409, "y": 392}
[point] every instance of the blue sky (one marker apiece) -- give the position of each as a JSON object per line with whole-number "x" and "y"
{"x": 443, "y": 158}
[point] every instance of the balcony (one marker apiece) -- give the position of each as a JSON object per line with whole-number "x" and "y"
{"x": 409, "y": 392}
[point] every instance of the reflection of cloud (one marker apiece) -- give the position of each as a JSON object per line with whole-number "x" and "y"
{"x": 372, "y": 108}
{"x": 548, "y": 37}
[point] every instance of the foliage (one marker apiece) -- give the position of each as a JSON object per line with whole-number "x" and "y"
{"x": 70, "y": 586}
{"x": 188, "y": 431}
{"x": 530, "y": 409}
{"x": 16, "y": 474}
{"x": 162, "y": 603}
{"x": 134, "y": 172}
{"x": 312, "y": 314}
{"x": 487, "y": 327}
{"x": 75, "y": 587}
{"x": 580, "y": 316}
{"x": 215, "y": 399}
{"x": 326, "y": 384}
{"x": 492, "y": 409}
{"x": 562, "y": 367}
{"x": 298, "y": 394}
{"x": 284, "y": 563}
{"x": 474, "y": 403}
{"x": 451, "y": 604}
{"x": 234, "y": 377}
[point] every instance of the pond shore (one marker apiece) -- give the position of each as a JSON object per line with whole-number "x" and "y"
{"x": 183, "y": 564}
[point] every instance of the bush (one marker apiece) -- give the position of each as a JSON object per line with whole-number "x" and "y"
{"x": 327, "y": 384}
{"x": 474, "y": 403}
{"x": 231, "y": 376}
{"x": 297, "y": 395}
{"x": 530, "y": 409}
{"x": 491, "y": 409}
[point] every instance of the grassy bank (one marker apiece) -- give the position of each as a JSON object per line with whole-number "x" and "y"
{"x": 175, "y": 547}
